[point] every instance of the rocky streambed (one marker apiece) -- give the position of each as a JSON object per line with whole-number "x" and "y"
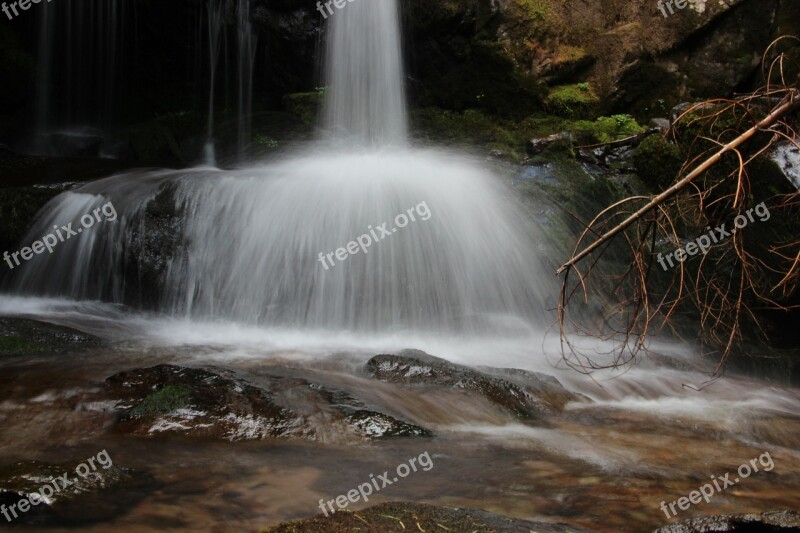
{"x": 203, "y": 438}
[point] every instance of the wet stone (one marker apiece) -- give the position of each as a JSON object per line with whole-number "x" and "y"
{"x": 101, "y": 495}
{"x": 526, "y": 395}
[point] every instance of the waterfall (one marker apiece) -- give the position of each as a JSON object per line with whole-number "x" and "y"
{"x": 256, "y": 245}
{"x": 366, "y": 101}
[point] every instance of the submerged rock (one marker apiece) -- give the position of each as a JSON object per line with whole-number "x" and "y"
{"x": 404, "y": 517}
{"x": 522, "y": 393}
{"x": 212, "y": 403}
{"x": 766, "y": 522}
{"x": 374, "y": 425}
{"x": 78, "y": 500}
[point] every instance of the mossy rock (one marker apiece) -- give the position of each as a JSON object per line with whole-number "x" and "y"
{"x": 305, "y": 106}
{"x": 604, "y": 129}
{"x": 658, "y": 161}
{"x": 13, "y": 345}
{"x": 573, "y": 101}
{"x": 471, "y": 128}
{"x": 166, "y": 400}
{"x": 20, "y": 336}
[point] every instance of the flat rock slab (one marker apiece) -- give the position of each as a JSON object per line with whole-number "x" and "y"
{"x": 407, "y": 517}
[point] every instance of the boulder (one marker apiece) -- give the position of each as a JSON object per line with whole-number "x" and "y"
{"x": 526, "y": 395}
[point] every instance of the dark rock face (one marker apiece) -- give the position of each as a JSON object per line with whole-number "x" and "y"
{"x": 83, "y": 500}
{"x": 155, "y": 242}
{"x": 524, "y": 394}
{"x": 84, "y": 143}
{"x": 494, "y": 55}
{"x": 213, "y": 403}
{"x": 751, "y": 523}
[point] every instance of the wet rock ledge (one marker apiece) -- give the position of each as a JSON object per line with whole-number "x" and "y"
{"x": 213, "y": 403}
{"x": 19, "y": 336}
{"x": 523, "y": 394}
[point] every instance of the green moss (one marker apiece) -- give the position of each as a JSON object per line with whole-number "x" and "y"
{"x": 165, "y": 401}
{"x": 657, "y": 161}
{"x": 472, "y": 127}
{"x": 12, "y": 345}
{"x": 604, "y": 129}
{"x": 573, "y": 101}
{"x": 266, "y": 141}
{"x": 538, "y": 14}
{"x": 305, "y": 106}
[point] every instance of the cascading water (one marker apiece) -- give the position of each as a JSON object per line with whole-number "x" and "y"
{"x": 366, "y": 102}
{"x": 245, "y": 245}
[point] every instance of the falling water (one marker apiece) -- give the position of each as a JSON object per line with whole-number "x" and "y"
{"x": 44, "y": 64}
{"x": 79, "y": 40}
{"x": 246, "y": 63}
{"x": 366, "y": 101}
{"x": 246, "y": 245}
{"x": 214, "y": 31}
